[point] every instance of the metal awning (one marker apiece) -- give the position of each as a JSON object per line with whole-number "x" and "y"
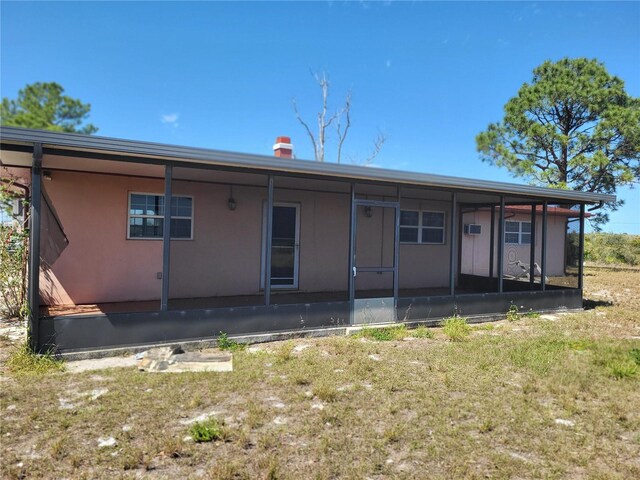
{"x": 14, "y": 139}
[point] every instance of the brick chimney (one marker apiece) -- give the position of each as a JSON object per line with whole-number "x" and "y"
{"x": 283, "y": 147}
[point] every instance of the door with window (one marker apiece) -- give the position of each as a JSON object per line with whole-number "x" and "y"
{"x": 285, "y": 246}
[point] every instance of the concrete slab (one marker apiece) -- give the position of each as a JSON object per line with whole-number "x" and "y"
{"x": 78, "y": 366}
{"x": 174, "y": 360}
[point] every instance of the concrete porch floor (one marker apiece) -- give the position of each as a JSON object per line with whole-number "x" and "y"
{"x": 277, "y": 298}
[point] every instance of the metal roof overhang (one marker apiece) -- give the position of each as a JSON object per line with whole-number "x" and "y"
{"x": 14, "y": 138}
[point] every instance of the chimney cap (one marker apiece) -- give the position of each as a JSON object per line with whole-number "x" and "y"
{"x": 283, "y": 147}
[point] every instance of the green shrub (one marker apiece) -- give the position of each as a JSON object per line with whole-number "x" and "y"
{"x": 612, "y": 248}
{"x": 512, "y": 313}
{"x": 13, "y": 268}
{"x": 456, "y": 328}
{"x": 225, "y": 343}
{"x": 206, "y": 431}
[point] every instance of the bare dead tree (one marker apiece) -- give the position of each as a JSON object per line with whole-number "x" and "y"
{"x": 378, "y": 142}
{"x": 342, "y": 134}
{"x": 341, "y": 119}
{"x": 324, "y": 122}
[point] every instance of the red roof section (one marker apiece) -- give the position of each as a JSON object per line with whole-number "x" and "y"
{"x": 558, "y": 211}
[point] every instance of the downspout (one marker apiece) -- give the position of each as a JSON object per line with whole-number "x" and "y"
{"x": 596, "y": 207}
{"x": 581, "y": 250}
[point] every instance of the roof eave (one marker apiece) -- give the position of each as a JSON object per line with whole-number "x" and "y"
{"x": 134, "y": 148}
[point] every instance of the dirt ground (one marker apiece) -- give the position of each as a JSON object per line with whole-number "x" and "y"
{"x": 549, "y": 397}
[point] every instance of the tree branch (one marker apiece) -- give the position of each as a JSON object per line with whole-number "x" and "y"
{"x": 306, "y": 127}
{"x": 343, "y": 134}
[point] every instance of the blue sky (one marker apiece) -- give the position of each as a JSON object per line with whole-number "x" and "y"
{"x": 222, "y": 75}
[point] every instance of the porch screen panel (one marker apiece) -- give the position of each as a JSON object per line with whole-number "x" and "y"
{"x": 91, "y": 263}
{"x": 284, "y": 243}
{"x": 563, "y": 246}
{"x": 517, "y": 240}
{"x": 309, "y": 242}
{"x": 216, "y": 239}
{"x": 476, "y": 273}
{"x": 425, "y": 242}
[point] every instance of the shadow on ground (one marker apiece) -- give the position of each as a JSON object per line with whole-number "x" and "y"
{"x": 589, "y": 304}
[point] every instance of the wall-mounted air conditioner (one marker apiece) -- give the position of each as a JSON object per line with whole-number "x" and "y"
{"x": 472, "y": 229}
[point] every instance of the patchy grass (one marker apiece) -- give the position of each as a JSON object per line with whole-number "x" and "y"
{"x": 384, "y": 334}
{"x": 206, "y": 430}
{"x": 456, "y": 328}
{"x": 536, "y": 398}
{"x": 22, "y": 361}
{"x": 422, "y": 332}
{"x": 531, "y": 314}
{"x": 634, "y": 353}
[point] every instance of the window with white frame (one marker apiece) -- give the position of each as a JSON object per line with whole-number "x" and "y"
{"x": 517, "y": 233}
{"x": 421, "y": 227}
{"x": 146, "y": 216}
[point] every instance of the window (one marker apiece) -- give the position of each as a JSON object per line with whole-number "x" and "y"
{"x": 421, "y": 227}
{"x": 146, "y": 216}
{"x": 518, "y": 233}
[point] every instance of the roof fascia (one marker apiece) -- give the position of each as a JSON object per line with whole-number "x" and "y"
{"x": 125, "y": 149}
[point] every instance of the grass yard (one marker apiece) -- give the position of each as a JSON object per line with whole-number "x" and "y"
{"x": 522, "y": 398}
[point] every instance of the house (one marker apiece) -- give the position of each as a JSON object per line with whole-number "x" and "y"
{"x": 255, "y": 244}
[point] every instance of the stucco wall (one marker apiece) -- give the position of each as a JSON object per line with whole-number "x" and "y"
{"x": 475, "y": 248}
{"x": 224, "y": 257}
{"x": 100, "y": 264}
{"x": 426, "y": 265}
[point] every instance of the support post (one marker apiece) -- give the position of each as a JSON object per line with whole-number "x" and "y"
{"x": 166, "y": 237}
{"x": 581, "y": 249}
{"x": 268, "y": 240}
{"x": 396, "y": 253}
{"x": 34, "y": 246}
{"x": 501, "y": 245}
{"x": 532, "y": 247}
{"x": 352, "y": 251}
{"x": 492, "y": 245}
{"x": 459, "y": 244}
{"x": 543, "y": 250}
{"x": 452, "y": 241}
